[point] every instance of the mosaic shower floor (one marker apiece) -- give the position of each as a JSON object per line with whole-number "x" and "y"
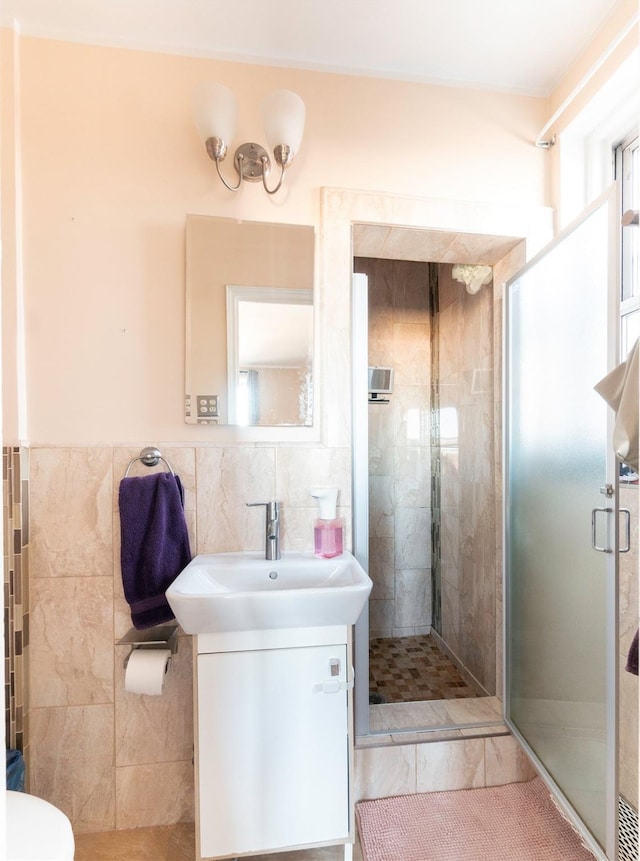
{"x": 411, "y": 669}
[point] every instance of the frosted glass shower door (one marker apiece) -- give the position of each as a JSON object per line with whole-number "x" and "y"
{"x": 560, "y": 590}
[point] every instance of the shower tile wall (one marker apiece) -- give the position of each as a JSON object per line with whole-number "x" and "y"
{"x": 399, "y": 449}
{"x": 468, "y": 524}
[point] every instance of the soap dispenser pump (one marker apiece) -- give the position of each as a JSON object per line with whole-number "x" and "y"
{"x": 327, "y": 530}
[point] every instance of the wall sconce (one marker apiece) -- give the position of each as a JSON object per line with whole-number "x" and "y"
{"x": 283, "y": 115}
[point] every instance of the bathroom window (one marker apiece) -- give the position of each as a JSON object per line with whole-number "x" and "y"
{"x": 626, "y": 169}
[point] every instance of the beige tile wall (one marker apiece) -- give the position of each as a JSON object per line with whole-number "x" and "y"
{"x": 399, "y": 449}
{"x": 115, "y": 760}
{"x": 108, "y": 758}
{"x": 440, "y": 765}
{"x": 469, "y": 566}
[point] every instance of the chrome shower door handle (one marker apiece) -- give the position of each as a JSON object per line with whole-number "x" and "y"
{"x": 627, "y": 530}
{"x": 594, "y": 523}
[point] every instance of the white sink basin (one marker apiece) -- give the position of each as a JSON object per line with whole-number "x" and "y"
{"x": 245, "y": 592}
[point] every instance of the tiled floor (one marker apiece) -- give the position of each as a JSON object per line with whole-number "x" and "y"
{"x": 413, "y": 669}
{"x": 176, "y": 843}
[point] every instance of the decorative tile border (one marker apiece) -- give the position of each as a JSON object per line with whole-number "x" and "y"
{"x": 15, "y": 510}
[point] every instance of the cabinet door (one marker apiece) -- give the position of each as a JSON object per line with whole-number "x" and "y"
{"x": 273, "y": 749}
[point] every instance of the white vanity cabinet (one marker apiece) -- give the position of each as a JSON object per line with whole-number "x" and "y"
{"x": 273, "y": 740}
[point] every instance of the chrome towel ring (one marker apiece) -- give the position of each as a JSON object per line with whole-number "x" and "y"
{"x": 149, "y": 456}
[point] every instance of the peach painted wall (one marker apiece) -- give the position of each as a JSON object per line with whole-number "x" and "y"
{"x": 111, "y": 165}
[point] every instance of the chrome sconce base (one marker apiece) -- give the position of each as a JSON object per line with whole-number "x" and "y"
{"x": 251, "y": 161}
{"x": 283, "y": 114}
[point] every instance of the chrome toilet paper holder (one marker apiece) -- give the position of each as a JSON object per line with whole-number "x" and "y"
{"x": 160, "y": 637}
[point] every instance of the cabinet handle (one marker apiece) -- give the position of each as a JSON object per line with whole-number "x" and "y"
{"x": 331, "y": 686}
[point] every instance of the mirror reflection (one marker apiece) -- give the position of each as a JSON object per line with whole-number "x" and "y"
{"x": 269, "y": 341}
{"x": 249, "y": 323}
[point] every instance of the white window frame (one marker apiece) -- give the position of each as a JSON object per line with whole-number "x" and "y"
{"x": 586, "y": 145}
{"x": 626, "y": 160}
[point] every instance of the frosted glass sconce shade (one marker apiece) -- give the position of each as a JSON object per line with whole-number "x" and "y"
{"x": 215, "y": 112}
{"x": 283, "y": 115}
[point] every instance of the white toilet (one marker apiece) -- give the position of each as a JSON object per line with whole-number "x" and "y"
{"x": 36, "y": 830}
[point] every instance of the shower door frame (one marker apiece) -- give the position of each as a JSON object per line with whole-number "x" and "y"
{"x": 360, "y": 479}
{"x": 610, "y": 198}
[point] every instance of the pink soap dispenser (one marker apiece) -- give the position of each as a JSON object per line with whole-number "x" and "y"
{"x": 327, "y": 530}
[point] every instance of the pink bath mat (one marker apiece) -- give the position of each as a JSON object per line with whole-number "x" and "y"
{"x": 517, "y": 822}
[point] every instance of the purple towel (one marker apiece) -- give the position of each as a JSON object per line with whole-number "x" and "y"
{"x": 632, "y": 657}
{"x": 154, "y": 544}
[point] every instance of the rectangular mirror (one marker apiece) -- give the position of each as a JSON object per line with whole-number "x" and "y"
{"x": 249, "y": 323}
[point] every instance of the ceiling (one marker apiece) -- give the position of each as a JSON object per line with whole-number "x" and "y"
{"x": 521, "y": 46}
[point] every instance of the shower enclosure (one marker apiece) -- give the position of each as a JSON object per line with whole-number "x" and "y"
{"x": 429, "y": 528}
{"x": 562, "y": 520}
{"x": 561, "y": 510}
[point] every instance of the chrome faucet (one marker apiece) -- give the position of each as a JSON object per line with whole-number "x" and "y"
{"x": 272, "y": 528}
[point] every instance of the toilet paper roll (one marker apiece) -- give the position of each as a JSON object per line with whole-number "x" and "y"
{"x": 145, "y": 671}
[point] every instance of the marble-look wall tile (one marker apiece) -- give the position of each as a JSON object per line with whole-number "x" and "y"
{"x": 450, "y": 765}
{"x": 381, "y": 567}
{"x": 403, "y": 716}
{"x": 411, "y": 351}
{"x": 412, "y": 538}
{"x": 411, "y": 415}
{"x": 413, "y": 598}
{"x": 296, "y": 527}
{"x": 381, "y": 617}
{"x": 152, "y": 729}
{"x": 381, "y": 506}
{"x": 410, "y": 291}
{"x": 399, "y": 438}
{"x": 226, "y": 480}
{"x": 70, "y": 513}
{"x": 154, "y": 794}
{"x": 71, "y": 641}
{"x": 380, "y": 772}
{"x": 380, "y": 439}
{"x": 412, "y": 476}
{"x": 451, "y": 616}
{"x": 506, "y": 762}
{"x": 72, "y": 763}
{"x": 450, "y": 484}
{"x": 300, "y": 469}
{"x": 469, "y": 565}
{"x": 450, "y": 546}
{"x": 450, "y": 325}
